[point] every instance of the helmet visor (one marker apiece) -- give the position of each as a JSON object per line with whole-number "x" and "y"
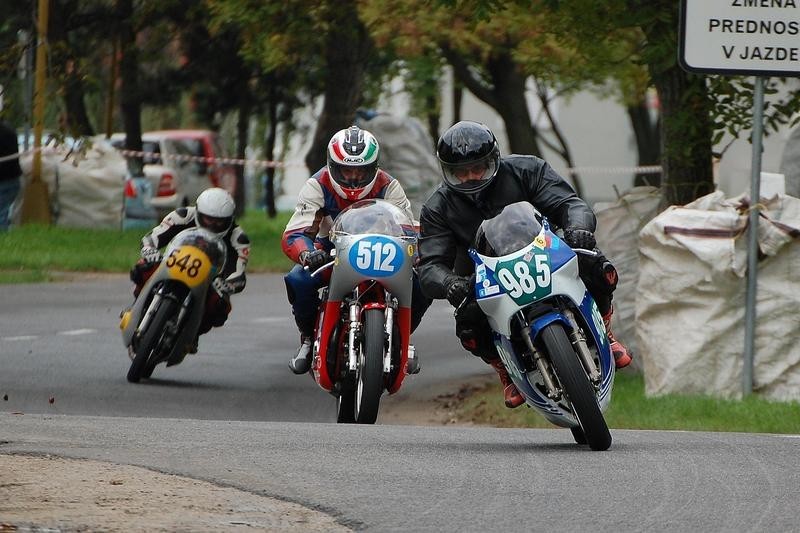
{"x": 471, "y": 175}
{"x": 214, "y": 224}
{"x": 351, "y": 177}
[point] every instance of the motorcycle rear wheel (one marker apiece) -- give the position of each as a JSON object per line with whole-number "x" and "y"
{"x": 369, "y": 379}
{"x": 142, "y": 366}
{"x": 577, "y": 387}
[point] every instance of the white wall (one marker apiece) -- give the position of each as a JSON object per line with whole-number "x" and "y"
{"x": 598, "y": 132}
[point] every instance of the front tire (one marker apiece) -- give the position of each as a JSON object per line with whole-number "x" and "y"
{"x": 369, "y": 382}
{"x": 577, "y": 387}
{"x": 142, "y": 366}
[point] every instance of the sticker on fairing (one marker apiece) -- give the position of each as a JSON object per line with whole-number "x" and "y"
{"x": 376, "y": 256}
{"x": 527, "y": 278}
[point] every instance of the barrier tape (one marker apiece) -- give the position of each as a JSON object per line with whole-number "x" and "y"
{"x": 648, "y": 169}
{"x": 207, "y": 160}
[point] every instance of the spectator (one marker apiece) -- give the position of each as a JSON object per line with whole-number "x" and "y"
{"x": 10, "y": 172}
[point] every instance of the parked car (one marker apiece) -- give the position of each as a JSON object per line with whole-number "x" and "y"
{"x": 207, "y": 144}
{"x": 137, "y": 203}
{"x": 175, "y": 177}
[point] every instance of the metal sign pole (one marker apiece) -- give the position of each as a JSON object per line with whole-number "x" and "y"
{"x": 752, "y": 239}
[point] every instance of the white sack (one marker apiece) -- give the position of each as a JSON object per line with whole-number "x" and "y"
{"x": 407, "y": 153}
{"x": 618, "y": 227}
{"x": 85, "y": 190}
{"x": 690, "y": 306}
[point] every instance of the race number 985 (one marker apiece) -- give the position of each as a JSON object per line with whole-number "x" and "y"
{"x": 521, "y": 282}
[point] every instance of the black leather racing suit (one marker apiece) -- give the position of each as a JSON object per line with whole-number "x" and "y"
{"x": 449, "y": 221}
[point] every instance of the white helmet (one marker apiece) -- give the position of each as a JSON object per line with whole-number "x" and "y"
{"x": 215, "y": 209}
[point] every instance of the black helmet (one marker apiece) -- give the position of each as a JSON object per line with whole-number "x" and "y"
{"x": 469, "y": 156}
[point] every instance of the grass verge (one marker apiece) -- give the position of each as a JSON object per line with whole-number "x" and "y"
{"x": 36, "y": 253}
{"x": 631, "y": 409}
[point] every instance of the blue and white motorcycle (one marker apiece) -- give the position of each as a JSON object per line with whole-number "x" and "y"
{"x": 547, "y": 328}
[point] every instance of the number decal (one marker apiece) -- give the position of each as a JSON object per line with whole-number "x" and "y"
{"x": 526, "y": 278}
{"x": 376, "y": 256}
{"x": 189, "y": 264}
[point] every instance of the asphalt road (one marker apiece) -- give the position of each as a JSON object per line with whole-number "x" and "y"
{"x": 61, "y": 341}
{"x": 234, "y": 415}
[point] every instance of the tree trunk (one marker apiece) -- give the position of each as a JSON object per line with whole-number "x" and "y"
{"x": 512, "y": 106}
{"x": 686, "y": 132}
{"x": 347, "y": 48}
{"x": 269, "y": 153}
{"x": 69, "y": 68}
{"x": 242, "y": 127}
{"x": 648, "y": 142}
{"x": 130, "y": 93}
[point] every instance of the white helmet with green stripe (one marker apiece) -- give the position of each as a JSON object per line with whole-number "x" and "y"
{"x": 353, "y": 162}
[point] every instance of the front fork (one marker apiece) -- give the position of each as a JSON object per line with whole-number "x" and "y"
{"x": 579, "y": 342}
{"x": 354, "y": 334}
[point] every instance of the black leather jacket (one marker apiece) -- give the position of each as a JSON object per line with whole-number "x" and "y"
{"x": 449, "y": 220}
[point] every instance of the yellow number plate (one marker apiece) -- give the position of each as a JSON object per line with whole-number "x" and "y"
{"x": 189, "y": 264}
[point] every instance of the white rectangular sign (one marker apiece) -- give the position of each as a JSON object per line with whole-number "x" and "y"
{"x": 751, "y": 37}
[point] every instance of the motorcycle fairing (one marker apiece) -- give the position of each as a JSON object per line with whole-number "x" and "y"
{"x": 369, "y": 258}
{"x": 546, "y": 253}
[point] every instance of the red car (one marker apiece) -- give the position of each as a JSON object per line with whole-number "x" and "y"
{"x": 208, "y": 144}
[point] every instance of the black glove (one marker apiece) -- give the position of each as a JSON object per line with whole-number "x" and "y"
{"x": 579, "y": 238}
{"x": 457, "y": 288}
{"x": 313, "y": 259}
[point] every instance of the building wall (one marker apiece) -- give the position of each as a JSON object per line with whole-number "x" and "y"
{"x": 599, "y": 135}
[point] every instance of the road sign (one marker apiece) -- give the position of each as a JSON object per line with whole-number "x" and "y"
{"x": 750, "y": 37}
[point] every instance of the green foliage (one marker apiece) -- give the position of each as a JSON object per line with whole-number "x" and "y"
{"x": 37, "y": 253}
{"x": 631, "y": 409}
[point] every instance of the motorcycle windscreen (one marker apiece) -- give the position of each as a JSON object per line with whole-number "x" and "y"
{"x": 372, "y": 216}
{"x": 513, "y": 229}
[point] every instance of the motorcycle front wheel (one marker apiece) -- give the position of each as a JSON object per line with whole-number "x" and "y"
{"x": 577, "y": 387}
{"x": 369, "y": 382}
{"x": 147, "y": 342}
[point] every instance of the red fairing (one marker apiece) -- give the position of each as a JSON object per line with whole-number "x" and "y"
{"x": 326, "y": 324}
{"x": 404, "y": 326}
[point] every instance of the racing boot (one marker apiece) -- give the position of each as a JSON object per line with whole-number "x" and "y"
{"x": 301, "y": 362}
{"x": 511, "y": 395}
{"x": 622, "y": 357}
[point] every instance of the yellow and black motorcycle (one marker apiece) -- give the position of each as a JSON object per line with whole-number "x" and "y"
{"x": 163, "y": 322}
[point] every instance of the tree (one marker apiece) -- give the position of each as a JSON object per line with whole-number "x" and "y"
{"x": 696, "y": 110}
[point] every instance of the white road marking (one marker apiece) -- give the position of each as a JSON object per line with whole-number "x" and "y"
{"x": 21, "y": 338}
{"x": 267, "y": 319}
{"x": 77, "y": 332}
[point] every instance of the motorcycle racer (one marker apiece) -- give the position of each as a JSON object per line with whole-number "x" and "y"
{"x": 351, "y": 174}
{"x": 477, "y": 184}
{"x": 213, "y": 211}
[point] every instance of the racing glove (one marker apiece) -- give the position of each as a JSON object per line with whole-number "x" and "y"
{"x": 458, "y": 288}
{"x": 314, "y": 259}
{"x": 222, "y": 286}
{"x": 580, "y": 238}
{"x": 150, "y": 255}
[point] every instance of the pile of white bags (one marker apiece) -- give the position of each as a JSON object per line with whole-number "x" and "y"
{"x": 85, "y": 189}
{"x": 618, "y": 226}
{"x": 690, "y": 300}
